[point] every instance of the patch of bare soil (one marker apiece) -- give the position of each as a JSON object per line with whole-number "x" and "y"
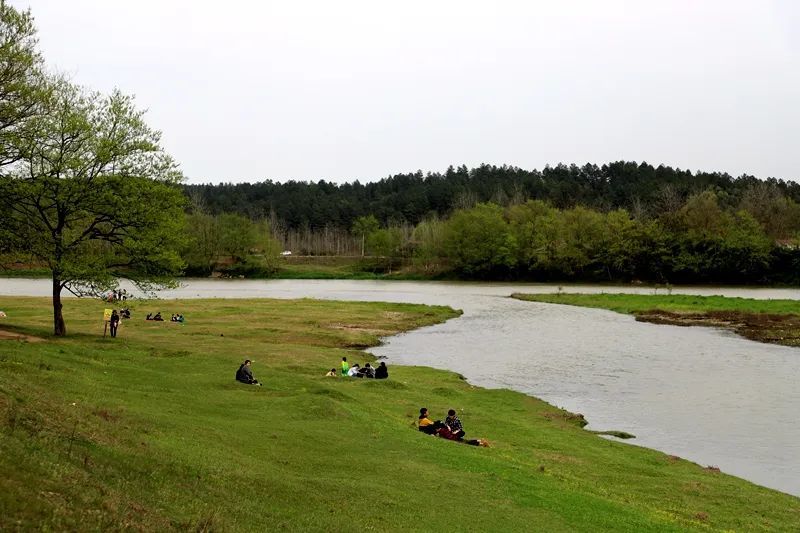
{"x": 762, "y": 327}
{"x": 360, "y": 329}
{"x": 12, "y": 336}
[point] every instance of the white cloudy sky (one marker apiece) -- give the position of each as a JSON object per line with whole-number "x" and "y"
{"x": 343, "y": 90}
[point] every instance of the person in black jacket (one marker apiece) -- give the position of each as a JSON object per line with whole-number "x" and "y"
{"x": 245, "y": 375}
{"x": 114, "y": 322}
{"x": 381, "y": 372}
{"x": 366, "y": 372}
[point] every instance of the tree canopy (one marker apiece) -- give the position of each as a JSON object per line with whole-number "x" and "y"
{"x": 89, "y": 191}
{"x": 640, "y": 188}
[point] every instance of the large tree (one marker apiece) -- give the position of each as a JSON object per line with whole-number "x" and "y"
{"x": 21, "y": 87}
{"x": 94, "y": 196}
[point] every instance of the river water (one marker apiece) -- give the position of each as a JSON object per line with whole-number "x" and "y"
{"x": 703, "y": 394}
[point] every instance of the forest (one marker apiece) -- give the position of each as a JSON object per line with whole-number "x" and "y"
{"x": 624, "y": 221}
{"x": 640, "y": 188}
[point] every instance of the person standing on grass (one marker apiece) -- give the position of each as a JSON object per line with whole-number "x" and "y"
{"x": 454, "y": 424}
{"x": 114, "y": 322}
{"x": 345, "y": 366}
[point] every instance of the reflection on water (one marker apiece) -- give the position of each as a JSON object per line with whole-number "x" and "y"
{"x": 703, "y": 394}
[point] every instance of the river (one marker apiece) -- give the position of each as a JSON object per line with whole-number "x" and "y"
{"x": 703, "y": 394}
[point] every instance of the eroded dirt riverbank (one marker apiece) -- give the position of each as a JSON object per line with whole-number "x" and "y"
{"x": 761, "y": 327}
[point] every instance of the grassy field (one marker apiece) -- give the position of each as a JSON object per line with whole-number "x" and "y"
{"x": 149, "y": 431}
{"x": 339, "y": 267}
{"x": 770, "y": 321}
{"x": 289, "y": 267}
{"x": 323, "y": 267}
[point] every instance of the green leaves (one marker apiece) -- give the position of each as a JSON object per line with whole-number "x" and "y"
{"x": 213, "y": 239}
{"x": 478, "y": 240}
{"x": 701, "y": 241}
{"x": 93, "y": 195}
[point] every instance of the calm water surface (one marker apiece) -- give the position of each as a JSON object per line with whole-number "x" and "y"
{"x": 700, "y": 393}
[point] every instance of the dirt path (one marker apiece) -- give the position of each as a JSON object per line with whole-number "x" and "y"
{"x": 762, "y": 327}
{"x": 12, "y": 336}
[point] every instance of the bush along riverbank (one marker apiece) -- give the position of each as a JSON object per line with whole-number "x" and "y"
{"x": 771, "y": 321}
{"x": 150, "y": 431}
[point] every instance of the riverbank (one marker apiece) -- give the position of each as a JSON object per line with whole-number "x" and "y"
{"x": 290, "y": 267}
{"x": 149, "y": 430}
{"x": 770, "y": 321}
{"x": 339, "y": 267}
{"x": 332, "y": 267}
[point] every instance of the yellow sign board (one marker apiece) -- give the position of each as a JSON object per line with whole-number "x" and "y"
{"x": 107, "y": 315}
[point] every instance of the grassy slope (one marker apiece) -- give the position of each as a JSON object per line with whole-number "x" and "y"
{"x": 161, "y": 437}
{"x": 338, "y": 267}
{"x": 639, "y": 303}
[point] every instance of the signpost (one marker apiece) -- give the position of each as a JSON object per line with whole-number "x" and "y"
{"x": 106, "y": 320}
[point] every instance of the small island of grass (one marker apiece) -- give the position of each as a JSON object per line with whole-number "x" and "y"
{"x": 770, "y": 321}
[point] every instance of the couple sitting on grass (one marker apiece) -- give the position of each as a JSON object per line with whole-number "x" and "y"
{"x": 450, "y": 429}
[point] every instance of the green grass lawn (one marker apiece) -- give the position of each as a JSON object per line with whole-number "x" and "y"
{"x": 346, "y": 267}
{"x": 149, "y": 431}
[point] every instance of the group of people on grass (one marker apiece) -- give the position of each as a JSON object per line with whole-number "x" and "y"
{"x": 450, "y": 429}
{"x": 115, "y": 295}
{"x": 357, "y": 371}
{"x": 158, "y": 318}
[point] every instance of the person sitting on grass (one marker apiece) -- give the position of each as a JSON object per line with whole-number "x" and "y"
{"x": 445, "y": 432}
{"x": 345, "y": 367}
{"x": 353, "y": 372}
{"x": 366, "y": 372}
{"x": 426, "y": 425}
{"x": 454, "y": 424}
{"x": 245, "y": 375}
{"x": 181, "y": 319}
{"x": 331, "y": 374}
{"x": 158, "y": 317}
{"x": 381, "y": 372}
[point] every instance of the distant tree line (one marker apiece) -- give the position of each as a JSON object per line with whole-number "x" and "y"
{"x": 619, "y": 222}
{"x": 697, "y": 241}
{"x": 640, "y": 188}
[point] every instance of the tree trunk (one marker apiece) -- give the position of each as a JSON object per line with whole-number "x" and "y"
{"x": 59, "y": 328}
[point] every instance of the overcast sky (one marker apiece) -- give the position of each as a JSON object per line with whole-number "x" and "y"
{"x": 344, "y": 90}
